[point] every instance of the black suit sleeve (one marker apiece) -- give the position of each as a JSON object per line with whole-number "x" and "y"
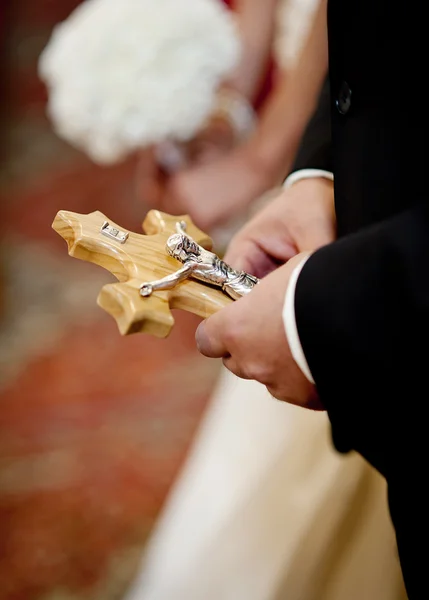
{"x": 362, "y": 313}
{"x": 315, "y": 148}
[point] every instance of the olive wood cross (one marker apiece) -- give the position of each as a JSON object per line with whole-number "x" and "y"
{"x": 134, "y": 258}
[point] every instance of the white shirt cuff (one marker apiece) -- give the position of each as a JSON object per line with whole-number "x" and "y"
{"x": 289, "y": 304}
{"x": 306, "y": 174}
{"x": 289, "y": 322}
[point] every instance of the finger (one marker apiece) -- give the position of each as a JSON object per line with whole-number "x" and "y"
{"x": 242, "y": 254}
{"x": 234, "y": 368}
{"x": 248, "y": 256}
{"x": 209, "y": 338}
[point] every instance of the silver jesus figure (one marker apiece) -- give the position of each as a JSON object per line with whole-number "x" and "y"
{"x": 203, "y": 265}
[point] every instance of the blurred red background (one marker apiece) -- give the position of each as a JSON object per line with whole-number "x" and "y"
{"x": 93, "y": 427}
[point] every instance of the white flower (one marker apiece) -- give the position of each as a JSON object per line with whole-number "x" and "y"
{"x": 123, "y": 74}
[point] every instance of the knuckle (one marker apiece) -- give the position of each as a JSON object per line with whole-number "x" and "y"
{"x": 259, "y": 371}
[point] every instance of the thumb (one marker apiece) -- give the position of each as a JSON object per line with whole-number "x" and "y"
{"x": 209, "y": 337}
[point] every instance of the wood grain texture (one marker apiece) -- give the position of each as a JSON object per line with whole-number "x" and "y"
{"x": 142, "y": 258}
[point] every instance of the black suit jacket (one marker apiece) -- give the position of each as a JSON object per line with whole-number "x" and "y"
{"x": 362, "y": 303}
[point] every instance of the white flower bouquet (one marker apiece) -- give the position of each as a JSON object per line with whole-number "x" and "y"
{"x": 125, "y": 74}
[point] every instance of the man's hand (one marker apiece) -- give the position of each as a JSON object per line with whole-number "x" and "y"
{"x": 300, "y": 219}
{"x": 249, "y": 334}
{"x": 250, "y": 337}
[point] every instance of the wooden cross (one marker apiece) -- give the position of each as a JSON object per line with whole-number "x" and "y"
{"x": 133, "y": 259}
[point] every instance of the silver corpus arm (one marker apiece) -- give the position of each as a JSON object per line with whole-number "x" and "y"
{"x": 166, "y": 283}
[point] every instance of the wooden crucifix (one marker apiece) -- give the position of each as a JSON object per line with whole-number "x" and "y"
{"x": 171, "y": 266}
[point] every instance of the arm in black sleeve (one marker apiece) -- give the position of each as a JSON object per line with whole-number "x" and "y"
{"x": 362, "y": 311}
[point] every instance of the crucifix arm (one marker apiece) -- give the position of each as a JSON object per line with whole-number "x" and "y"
{"x": 168, "y": 282}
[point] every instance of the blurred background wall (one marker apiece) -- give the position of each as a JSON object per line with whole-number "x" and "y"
{"x": 93, "y": 427}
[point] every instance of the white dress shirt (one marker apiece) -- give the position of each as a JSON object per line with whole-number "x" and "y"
{"x": 289, "y": 320}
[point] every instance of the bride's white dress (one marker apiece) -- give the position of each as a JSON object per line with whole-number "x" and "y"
{"x": 265, "y": 509}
